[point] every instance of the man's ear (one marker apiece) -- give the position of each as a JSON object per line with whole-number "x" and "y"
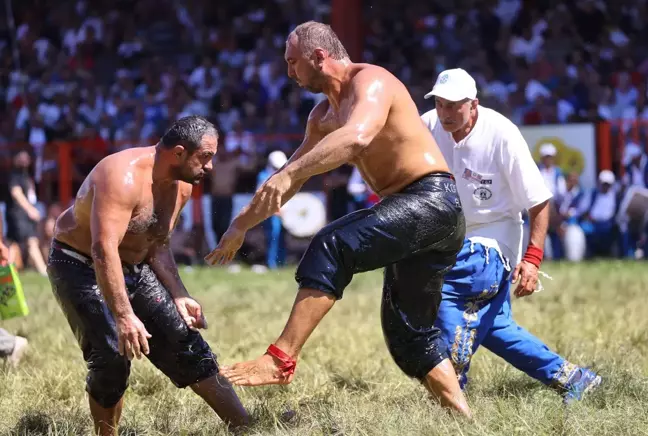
{"x": 320, "y": 55}
{"x": 474, "y": 104}
{"x": 179, "y": 152}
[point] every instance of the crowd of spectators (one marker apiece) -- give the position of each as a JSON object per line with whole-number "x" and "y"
{"x": 111, "y": 74}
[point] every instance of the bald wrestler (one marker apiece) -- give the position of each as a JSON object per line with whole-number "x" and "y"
{"x": 368, "y": 120}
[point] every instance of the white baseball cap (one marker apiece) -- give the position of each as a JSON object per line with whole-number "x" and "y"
{"x": 277, "y": 159}
{"x": 607, "y": 176}
{"x": 454, "y": 85}
{"x": 548, "y": 150}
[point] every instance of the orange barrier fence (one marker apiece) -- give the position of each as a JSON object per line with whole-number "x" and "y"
{"x": 617, "y": 135}
{"x": 604, "y": 153}
{"x": 611, "y": 139}
{"x": 88, "y": 152}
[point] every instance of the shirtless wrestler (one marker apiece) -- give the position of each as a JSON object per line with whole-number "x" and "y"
{"x": 415, "y": 232}
{"x": 114, "y": 276}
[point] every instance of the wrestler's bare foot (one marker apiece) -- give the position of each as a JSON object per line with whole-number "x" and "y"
{"x": 262, "y": 371}
{"x": 442, "y": 383}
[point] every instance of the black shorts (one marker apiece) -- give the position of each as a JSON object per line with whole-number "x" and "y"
{"x": 424, "y": 221}
{"x": 180, "y": 353}
{"x": 20, "y": 230}
{"x": 416, "y": 234}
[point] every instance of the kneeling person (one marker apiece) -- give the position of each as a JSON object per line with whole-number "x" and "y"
{"x": 114, "y": 276}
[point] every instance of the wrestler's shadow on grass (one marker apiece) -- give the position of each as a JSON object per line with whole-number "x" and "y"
{"x": 350, "y": 383}
{"x": 270, "y": 411}
{"x": 38, "y": 423}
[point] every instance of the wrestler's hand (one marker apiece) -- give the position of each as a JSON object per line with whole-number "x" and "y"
{"x": 527, "y": 273}
{"x": 132, "y": 337}
{"x": 191, "y": 311}
{"x": 227, "y": 247}
{"x": 271, "y": 193}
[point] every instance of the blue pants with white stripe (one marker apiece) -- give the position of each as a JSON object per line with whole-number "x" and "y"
{"x": 476, "y": 310}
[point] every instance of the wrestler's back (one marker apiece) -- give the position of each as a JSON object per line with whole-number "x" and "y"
{"x": 404, "y": 150}
{"x": 151, "y": 221}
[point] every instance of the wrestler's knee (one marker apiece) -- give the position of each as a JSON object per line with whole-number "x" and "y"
{"x": 327, "y": 264}
{"x": 416, "y": 357}
{"x": 107, "y": 380}
{"x": 186, "y": 361}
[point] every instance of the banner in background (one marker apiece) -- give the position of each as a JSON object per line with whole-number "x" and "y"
{"x": 239, "y": 201}
{"x": 576, "y": 145}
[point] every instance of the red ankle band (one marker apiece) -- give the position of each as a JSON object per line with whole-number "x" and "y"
{"x": 288, "y": 364}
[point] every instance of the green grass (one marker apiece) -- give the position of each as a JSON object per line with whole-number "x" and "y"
{"x": 346, "y": 382}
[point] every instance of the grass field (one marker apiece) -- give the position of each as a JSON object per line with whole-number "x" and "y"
{"x": 346, "y": 382}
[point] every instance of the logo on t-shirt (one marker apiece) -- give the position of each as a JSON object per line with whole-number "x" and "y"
{"x": 483, "y": 193}
{"x": 471, "y": 175}
{"x": 476, "y": 177}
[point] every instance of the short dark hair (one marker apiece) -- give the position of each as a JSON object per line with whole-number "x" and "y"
{"x": 188, "y": 132}
{"x": 312, "y": 35}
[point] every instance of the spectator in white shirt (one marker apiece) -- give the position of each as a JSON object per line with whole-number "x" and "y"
{"x": 600, "y": 226}
{"x": 551, "y": 174}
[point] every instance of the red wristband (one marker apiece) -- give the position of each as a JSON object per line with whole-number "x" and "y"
{"x": 288, "y": 364}
{"x": 533, "y": 255}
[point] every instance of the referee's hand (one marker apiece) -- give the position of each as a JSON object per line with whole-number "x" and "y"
{"x": 526, "y": 277}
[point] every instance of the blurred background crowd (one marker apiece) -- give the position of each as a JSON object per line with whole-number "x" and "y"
{"x": 110, "y": 74}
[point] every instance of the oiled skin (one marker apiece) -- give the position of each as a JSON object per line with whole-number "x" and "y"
{"x": 403, "y": 151}
{"x": 155, "y": 208}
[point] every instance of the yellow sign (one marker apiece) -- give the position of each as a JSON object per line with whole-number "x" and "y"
{"x": 567, "y": 159}
{"x": 575, "y": 144}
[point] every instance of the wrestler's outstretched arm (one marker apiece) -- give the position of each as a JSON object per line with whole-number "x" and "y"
{"x": 370, "y": 104}
{"x": 252, "y": 214}
{"x": 112, "y": 206}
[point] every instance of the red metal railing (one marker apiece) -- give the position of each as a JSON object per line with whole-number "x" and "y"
{"x": 611, "y": 139}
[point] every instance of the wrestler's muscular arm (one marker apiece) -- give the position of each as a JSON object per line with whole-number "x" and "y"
{"x": 370, "y": 105}
{"x": 112, "y": 206}
{"x": 160, "y": 259}
{"x": 252, "y": 214}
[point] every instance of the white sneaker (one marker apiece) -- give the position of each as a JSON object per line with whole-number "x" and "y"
{"x": 259, "y": 269}
{"x": 19, "y": 350}
{"x": 234, "y": 268}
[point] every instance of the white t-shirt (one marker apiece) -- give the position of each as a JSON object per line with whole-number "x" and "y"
{"x": 496, "y": 178}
